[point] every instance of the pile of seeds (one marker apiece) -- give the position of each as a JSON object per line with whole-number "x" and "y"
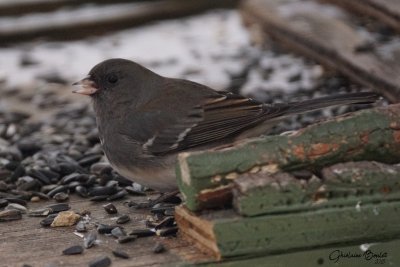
{"x": 43, "y": 160}
{"x": 62, "y": 156}
{"x": 161, "y": 223}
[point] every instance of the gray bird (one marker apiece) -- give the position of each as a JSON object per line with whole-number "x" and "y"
{"x": 145, "y": 119}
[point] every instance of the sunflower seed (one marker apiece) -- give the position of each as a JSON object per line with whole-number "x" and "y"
{"x": 59, "y": 207}
{"x": 120, "y": 254}
{"x": 16, "y": 200}
{"x": 73, "y": 250}
{"x": 118, "y": 232}
{"x": 100, "y": 168}
{"x": 102, "y": 261}
{"x": 141, "y": 232}
{"x": 58, "y": 189}
{"x": 61, "y": 197}
{"x": 15, "y": 206}
{"x": 3, "y": 203}
{"x": 105, "y": 228}
{"x": 103, "y": 190}
{"x": 80, "y": 227}
{"x": 10, "y": 215}
{"x": 99, "y": 198}
{"x": 89, "y": 160}
{"x": 46, "y": 222}
{"x": 123, "y": 219}
{"x": 167, "y": 231}
{"x": 126, "y": 239}
{"x": 81, "y": 190}
{"x": 90, "y": 239}
{"x": 121, "y": 194}
{"x": 110, "y": 208}
{"x": 134, "y": 191}
{"x": 168, "y": 221}
{"x": 158, "y": 248}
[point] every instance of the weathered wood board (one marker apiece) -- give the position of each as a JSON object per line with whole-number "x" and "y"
{"x": 343, "y": 184}
{"x": 367, "y": 135}
{"x": 11, "y": 8}
{"x": 382, "y": 254}
{"x": 26, "y": 242}
{"x": 228, "y": 235}
{"x": 326, "y": 34}
{"x": 387, "y": 11}
{"x": 81, "y": 25}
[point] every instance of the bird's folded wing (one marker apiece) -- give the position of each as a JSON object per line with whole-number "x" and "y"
{"x": 221, "y": 116}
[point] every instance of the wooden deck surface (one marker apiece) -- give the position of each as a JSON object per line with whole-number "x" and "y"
{"x": 27, "y": 242}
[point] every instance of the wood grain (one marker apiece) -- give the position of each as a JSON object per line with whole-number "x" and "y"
{"x": 25, "y": 241}
{"x": 326, "y": 34}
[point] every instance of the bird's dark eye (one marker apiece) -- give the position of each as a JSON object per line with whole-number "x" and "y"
{"x": 112, "y": 78}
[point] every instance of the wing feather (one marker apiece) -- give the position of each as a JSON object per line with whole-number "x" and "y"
{"x": 218, "y": 117}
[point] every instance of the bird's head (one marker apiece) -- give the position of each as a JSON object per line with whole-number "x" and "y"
{"x": 110, "y": 76}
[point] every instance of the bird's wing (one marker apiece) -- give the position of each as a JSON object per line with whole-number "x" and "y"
{"x": 219, "y": 116}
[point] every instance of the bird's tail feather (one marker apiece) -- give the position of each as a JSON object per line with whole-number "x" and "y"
{"x": 329, "y": 101}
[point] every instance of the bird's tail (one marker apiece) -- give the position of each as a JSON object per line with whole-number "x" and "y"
{"x": 330, "y": 101}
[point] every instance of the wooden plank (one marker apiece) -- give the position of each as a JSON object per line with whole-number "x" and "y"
{"x": 99, "y": 21}
{"x": 387, "y": 11}
{"x": 367, "y": 135}
{"x": 229, "y": 235}
{"x": 386, "y": 254}
{"x": 12, "y": 8}
{"x": 26, "y": 242}
{"x": 326, "y": 34}
{"x": 343, "y": 184}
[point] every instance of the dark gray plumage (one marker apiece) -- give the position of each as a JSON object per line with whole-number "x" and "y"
{"x": 145, "y": 119}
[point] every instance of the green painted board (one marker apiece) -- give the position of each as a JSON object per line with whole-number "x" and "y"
{"x": 367, "y": 135}
{"x": 343, "y": 184}
{"x": 383, "y": 254}
{"x": 228, "y": 235}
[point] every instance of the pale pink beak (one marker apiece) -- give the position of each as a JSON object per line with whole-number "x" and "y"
{"x": 88, "y": 86}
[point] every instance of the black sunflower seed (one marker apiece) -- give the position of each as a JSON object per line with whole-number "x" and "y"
{"x": 103, "y": 190}
{"x": 46, "y": 222}
{"x": 105, "y": 228}
{"x": 10, "y": 215}
{"x": 134, "y": 191}
{"x": 142, "y": 232}
{"x": 90, "y": 239}
{"x": 168, "y": 221}
{"x": 167, "y": 231}
{"x": 61, "y": 197}
{"x": 58, "y": 189}
{"x": 16, "y": 200}
{"x": 158, "y": 248}
{"x": 123, "y": 219}
{"x": 73, "y": 250}
{"x": 59, "y": 207}
{"x": 110, "y": 208}
{"x": 102, "y": 261}
{"x": 80, "y": 227}
{"x": 81, "y": 191}
{"x": 126, "y": 239}
{"x": 99, "y": 198}
{"x": 3, "y": 203}
{"x": 89, "y": 160}
{"x": 119, "y": 195}
{"x": 120, "y": 254}
{"x": 100, "y": 168}
{"x": 118, "y": 232}
{"x": 15, "y": 206}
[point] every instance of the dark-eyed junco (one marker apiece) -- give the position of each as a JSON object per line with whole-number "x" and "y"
{"x": 145, "y": 119}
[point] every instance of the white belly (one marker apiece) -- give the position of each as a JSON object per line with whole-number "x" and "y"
{"x": 160, "y": 179}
